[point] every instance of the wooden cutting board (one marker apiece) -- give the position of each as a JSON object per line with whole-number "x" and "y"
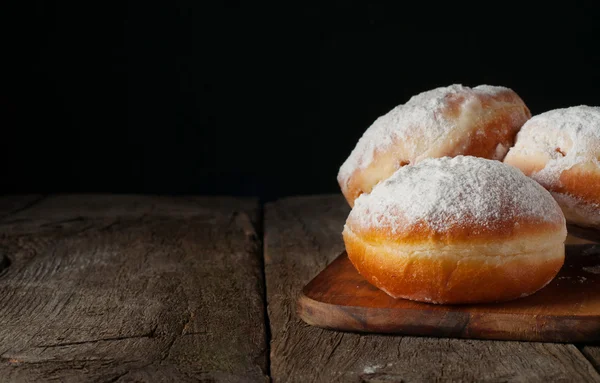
{"x": 567, "y": 310}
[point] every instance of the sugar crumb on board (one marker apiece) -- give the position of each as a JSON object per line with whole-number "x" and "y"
{"x": 592, "y": 269}
{"x": 579, "y": 278}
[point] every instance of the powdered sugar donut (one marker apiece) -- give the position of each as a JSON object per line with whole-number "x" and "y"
{"x": 457, "y": 230}
{"x": 560, "y": 150}
{"x": 446, "y": 121}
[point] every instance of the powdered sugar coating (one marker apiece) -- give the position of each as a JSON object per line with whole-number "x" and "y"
{"x": 445, "y": 192}
{"x": 576, "y": 210}
{"x": 418, "y": 124}
{"x": 566, "y": 137}
{"x": 561, "y": 139}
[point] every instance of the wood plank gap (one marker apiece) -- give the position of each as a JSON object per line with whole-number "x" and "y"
{"x": 4, "y": 263}
{"x": 585, "y": 351}
{"x": 260, "y": 227}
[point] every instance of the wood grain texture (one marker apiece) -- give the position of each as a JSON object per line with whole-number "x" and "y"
{"x": 567, "y": 310}
{"x": 130, "y": 288}
{"x": 302, "y": 235}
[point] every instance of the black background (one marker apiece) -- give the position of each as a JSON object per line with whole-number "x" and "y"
{"x": 245, "y": 99}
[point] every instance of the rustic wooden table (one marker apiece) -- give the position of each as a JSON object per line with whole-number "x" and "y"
{"x": 139, "y": 288}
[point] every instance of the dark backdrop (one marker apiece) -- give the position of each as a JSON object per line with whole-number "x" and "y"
{"x": 246, "y": 99}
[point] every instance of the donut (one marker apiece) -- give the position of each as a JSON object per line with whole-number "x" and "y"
{"x": 445, "y": 121}
{"x": 560, "y": 149}
{"x": 457, "y": 230}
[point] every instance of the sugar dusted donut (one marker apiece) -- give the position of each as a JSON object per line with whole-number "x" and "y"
{"x": 561, "y": 149}
{"x": 447, "y": 121}
{"x": 457, "y": 230}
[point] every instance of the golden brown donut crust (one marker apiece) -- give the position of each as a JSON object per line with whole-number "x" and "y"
{"x": 452, "y": 278}
{"x": 457, "y": 266}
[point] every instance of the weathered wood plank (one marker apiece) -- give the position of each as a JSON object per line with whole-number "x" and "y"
{"x": 130, "y": 288}
{"x": 302, "y": 235}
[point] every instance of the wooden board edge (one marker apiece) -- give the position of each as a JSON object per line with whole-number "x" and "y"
{"x": 444, "y": 324}
{"x": 574, "y": 240}
{"x": 589, "y": 235}
{"x": 464, "y": 325}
